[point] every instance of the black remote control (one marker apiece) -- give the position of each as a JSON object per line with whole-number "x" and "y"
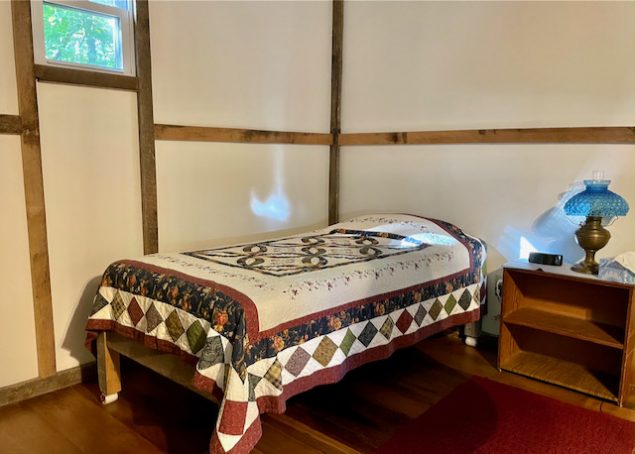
{"x": 545, "y": 259}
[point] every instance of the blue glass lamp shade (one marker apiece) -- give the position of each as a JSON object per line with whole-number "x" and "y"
{"x": 596, "y": 200}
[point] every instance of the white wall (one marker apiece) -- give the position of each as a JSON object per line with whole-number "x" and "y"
{"x": 18, "y": 357}
{"x": 8, "y": 90}
{"x": 90, "y": 160}
{"x": 501, "y": 193}
{"x": 258, "y": 65}
{"x": 213, "y": 193}
{"x": 463, "y": 65}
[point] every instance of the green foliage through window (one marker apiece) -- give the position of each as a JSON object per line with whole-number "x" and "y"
{"x": 76, "y": 36}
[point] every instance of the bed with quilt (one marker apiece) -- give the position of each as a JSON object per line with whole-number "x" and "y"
{"x": 265, "y": 321}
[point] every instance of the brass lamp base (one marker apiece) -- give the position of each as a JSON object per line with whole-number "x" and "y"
{"x": 591, "y": 237}
{"x": 586, "y": 268}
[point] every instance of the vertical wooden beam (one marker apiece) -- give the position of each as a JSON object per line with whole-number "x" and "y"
{"x": 34, "y": 187}
{"x": 336, "y": 104}
{"x": 146, "y": 129}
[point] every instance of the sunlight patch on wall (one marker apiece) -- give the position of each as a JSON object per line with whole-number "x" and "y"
{"x": 276, "y": 207}
{"x": 430, "y": 238}
{"x": 525, "y": 248}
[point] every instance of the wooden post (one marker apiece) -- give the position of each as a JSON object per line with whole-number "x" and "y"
{"x": 108, "y": 371}
{"x": 34, "y": 187}
{"x": 146, "y": 130}
{"x": 336, "y": 103}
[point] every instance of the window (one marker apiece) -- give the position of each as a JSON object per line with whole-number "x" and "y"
{"x": 95, "y": 35}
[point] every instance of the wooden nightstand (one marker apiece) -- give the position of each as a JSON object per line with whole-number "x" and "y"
{"x": 568, "y": 329}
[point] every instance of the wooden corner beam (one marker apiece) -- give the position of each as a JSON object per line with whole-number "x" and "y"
{"x": 146, "y": 129}
{"x": 336, "y": 109}
{"x": 608, "y": 135}
{"x": 34, "y": 187}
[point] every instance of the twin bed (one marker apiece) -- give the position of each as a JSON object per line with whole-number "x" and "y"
{"x": 259, "y": 323}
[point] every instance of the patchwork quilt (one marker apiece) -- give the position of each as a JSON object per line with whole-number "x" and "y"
{"x": 267, "y": 320}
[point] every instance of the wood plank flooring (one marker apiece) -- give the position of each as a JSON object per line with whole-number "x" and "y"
{"x": 154, "y": 415}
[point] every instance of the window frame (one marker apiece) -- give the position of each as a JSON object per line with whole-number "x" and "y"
{"x": 126, "y": 21}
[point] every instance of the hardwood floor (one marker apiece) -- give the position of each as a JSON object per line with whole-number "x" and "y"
{"x": 153, "y": 415}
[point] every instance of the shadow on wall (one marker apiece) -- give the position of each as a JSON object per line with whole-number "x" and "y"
{"x": 552, "y": 232}
{"x": 75, "y": 335}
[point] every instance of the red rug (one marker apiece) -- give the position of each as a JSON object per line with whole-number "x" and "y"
{"x": 482, "y": 416}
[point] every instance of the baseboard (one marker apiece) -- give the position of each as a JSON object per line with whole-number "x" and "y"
{"x": 38, "y": 386}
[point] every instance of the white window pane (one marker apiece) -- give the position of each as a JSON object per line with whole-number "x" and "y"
{"x": 76, "y": 36}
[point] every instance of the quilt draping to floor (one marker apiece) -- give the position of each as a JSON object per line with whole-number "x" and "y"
{"x": 267, "y": 320}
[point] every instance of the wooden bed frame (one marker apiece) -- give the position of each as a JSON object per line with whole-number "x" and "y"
{"x": 110, "y": 346}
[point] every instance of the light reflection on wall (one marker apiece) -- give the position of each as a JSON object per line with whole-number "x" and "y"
{"x": 276, "y": 206}
{"x": 526, "y": 248}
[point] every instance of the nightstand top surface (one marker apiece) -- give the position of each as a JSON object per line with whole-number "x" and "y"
{"x": 564, "y": 270}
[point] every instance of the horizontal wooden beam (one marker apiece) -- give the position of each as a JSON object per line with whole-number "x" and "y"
{"x": 209, "y": 134}
{"x": 82, "y": 77}
{"x": 535, "y": 135}
{"x": 10, "y": 124}
{"x": 608, "y": 135}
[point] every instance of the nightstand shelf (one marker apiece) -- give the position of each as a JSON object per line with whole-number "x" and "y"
{"x": 564, "y": 373}
{"x": 572, "y": 331}
{"x": 589, "y": 330}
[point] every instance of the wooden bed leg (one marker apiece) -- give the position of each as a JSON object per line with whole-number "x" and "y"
{"x": 471, "y": 332}
{"x": 107, "y": 371}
